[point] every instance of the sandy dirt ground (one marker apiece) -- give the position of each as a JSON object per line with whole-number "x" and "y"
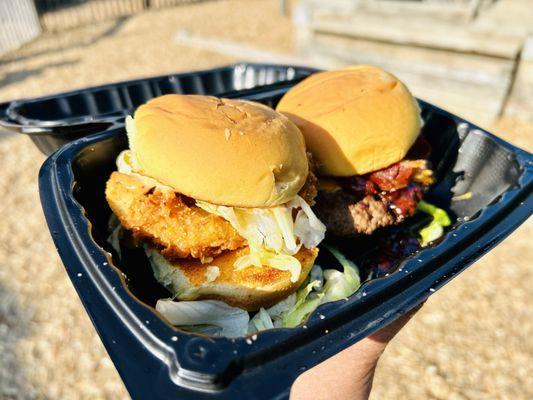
{"x": 472, "y": 340}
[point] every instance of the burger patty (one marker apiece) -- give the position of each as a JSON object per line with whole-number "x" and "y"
{"x": 346, "y": 214}
{"x": 362, "y": 204}
{"x": 172, "y": 222}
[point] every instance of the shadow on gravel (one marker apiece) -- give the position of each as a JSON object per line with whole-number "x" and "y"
{"x": 14, "y": 322}
{"x": 88, "y": 40}
{"x": 4, "y": 134}
{"x": 12, "y": 77}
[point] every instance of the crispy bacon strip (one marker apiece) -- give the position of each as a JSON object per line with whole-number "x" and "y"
{"x": 404, "y": 201}
{"x": 395, "y": 177}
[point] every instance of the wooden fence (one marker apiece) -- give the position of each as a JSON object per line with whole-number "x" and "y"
{"x": 19, "y": 23}
{"x": 23, "y": 20}
{"x": 448, "y": 52}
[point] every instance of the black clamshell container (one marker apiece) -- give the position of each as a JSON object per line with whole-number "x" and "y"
{"x": 158, "y": 361}
{"x": 52, "y": 121}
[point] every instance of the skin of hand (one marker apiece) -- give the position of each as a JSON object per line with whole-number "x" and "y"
{"x": 348, "y": 375}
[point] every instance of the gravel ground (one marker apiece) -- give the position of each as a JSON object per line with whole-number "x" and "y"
{"x": 472, "y": 340}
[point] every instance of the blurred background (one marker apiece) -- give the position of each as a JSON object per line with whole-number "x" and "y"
{"x": 472, "y": 340}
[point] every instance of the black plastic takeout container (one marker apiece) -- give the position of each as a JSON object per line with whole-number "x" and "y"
{"x": 52, "y": 121}
{"x": 158, "y": 361}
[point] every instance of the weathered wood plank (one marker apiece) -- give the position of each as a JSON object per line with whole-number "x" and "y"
{"x": 429, "y": 33}
{"x": 450, "y": 11}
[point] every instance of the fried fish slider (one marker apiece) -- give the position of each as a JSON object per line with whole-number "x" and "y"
{"x": 218, "y": 192}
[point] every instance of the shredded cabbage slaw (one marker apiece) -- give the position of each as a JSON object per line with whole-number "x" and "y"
{"x": 272, "y": 234}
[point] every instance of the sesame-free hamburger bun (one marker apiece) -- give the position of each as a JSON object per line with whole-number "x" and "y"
{"x": 226, "y": 152}
{"x": 249, "y": 288}
{"x": 355, "y": 120}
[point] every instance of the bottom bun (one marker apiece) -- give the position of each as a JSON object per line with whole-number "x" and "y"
{"x": 249, "y": 288}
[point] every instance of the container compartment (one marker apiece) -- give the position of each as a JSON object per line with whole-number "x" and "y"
{"x": 159, "y": 361}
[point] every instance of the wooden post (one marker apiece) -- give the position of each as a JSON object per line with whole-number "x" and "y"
{"x": 283, "y": 8}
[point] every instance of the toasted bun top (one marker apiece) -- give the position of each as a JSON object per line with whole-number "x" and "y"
{"x": 229, "y": 152}
{"x": 355, "y": 120}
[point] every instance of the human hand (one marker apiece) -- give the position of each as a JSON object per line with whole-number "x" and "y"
{"x": 348, "y": 375}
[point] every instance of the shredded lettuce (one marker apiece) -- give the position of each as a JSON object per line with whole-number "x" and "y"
{"x": 213, "y": 316}
{"x": 127, "y": 164}
{"x": 317, "y": 274}
{"x": 129, "y": 159}
{"x": 307, "y": 227}
{"x": 282, "y": 307}
{"x": 124, "y": 162}
{"x": 325, "y": 286}
{"x": 322, "y": 286}
{"x": 340, "y": 285}
{"x": 260, "y": 322}
{"x": 212, "y": 273}
{"x": 306, "y": 303}
{"x": 261, "y": 257}
{"x": 216, "y": 318}
{"x": 273, "y": 237}
{"x": 168, "y": 276}
{"x": 131, "y": 131}
{"x": 435, "y": 228}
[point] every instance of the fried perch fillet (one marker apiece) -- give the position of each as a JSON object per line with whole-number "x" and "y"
{"x": 168, "y": 220}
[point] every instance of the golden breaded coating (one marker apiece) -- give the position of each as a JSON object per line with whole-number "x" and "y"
{"x": 169, "y": 220}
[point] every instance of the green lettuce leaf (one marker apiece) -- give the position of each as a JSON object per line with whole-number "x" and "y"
{"x": 340, "y": 285}
{"x": 435, "y": 229}
{"x": 325, "y": 286}
{"x": 215, "y": 317}
{"x": 260, "y": 322}
{"x": 283, "y": 307}
{"x": 304, "y": 306}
